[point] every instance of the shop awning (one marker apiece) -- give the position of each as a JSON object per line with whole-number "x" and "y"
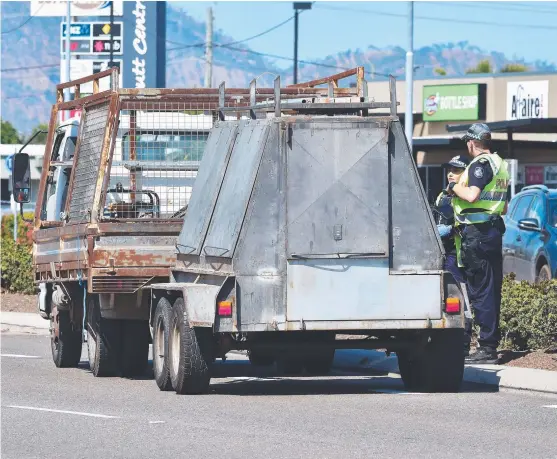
{"x": 525, "y": 126}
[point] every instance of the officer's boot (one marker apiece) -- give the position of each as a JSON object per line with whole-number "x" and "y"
{"x": 483, "y": 355}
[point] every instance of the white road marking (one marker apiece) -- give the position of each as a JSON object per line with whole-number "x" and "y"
{"x": 20, "y": 356}
{"x": 550, "y": 406}
{"x": 79, "y": 413}
{"x": 157, "y": 422}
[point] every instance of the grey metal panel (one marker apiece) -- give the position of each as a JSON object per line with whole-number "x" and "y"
{"x": 359, "y": 289}
{"x": 200, "y": 302}
{"x": 236, "y": 188}
{"x": 208, "y": 183}
{"x": 416, "y": 244}
{"x": 260, "y": 249}
{"x": 337, "y": 191}
{"x": 260, "y": 300}
{"x": 349, "y": 289}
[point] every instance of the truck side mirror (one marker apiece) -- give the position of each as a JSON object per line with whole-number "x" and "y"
{"x": 21, "y": 178}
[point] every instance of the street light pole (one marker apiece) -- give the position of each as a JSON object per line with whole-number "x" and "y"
{"x": 68, "y": 52}
{"x": 297, "y": 7}
{"x": 408, "y": 118}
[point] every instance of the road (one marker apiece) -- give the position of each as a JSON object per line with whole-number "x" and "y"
{"x": 67, "y": 413}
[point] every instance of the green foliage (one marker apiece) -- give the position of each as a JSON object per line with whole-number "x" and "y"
{"x": 483, "y": 66}
{"x": 41, "y": 138}
{"x": 17, "y": 256}
{"x": 514, "y": 68}
{"x": 9, "y": 134}
{"x": 529, "y": 314}
{"x": 440, "y": 71}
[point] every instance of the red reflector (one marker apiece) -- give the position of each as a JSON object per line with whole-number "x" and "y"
{"x": 452, "y": 305}
{"x": 225, "y": 308}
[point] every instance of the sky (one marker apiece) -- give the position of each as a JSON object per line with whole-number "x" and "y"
{"x": 522, "y": 29}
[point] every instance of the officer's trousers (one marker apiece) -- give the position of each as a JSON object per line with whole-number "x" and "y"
{"x": 451, "y": 265}
{"x": 482, "y": 258}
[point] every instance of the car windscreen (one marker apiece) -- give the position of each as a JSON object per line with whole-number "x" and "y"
{"x": 167, "y": 147}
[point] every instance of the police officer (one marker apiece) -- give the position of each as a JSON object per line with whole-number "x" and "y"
{"x": 480, "y": 198}
{"x": 445, "y": 217}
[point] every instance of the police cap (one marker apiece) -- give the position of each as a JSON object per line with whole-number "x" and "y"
{"x": 478, "y": 131}
{"x": 460, "y": 162}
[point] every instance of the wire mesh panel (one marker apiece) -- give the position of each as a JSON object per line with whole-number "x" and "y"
{"x": 88, "y": 163}
{"x": 158, "y": 149}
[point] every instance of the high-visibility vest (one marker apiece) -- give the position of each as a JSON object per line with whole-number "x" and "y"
{"x": 492, "y": 198}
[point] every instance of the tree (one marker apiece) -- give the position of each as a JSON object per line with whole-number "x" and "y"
{"x": 9, "y": 134}
{"x": 514, "y": 68}
{"x": 484, "y": 66}
{"x": 41, "y": 138}
{"x": 440, "y": 71}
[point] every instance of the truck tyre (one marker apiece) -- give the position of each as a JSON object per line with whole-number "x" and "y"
{"x": 66, "y": 348}
{"x": 260, "y": 359}
{"x": 135, "y": 347}
{"x": 102, "y": 340}
{"x": 189, "y": 353}
{"x": 161, "y": 326}
{"x": 439, "y": 367}
{"x": 320, "y": 364}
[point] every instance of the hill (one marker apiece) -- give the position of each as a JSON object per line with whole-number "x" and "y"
{"x": 31, "y": 56}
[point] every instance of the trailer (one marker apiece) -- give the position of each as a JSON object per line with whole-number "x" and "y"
{"x": 115, "y": 186}
{"x": 308, "y": 223}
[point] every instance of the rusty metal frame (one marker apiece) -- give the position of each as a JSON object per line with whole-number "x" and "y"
{"x": 58, "y": 268}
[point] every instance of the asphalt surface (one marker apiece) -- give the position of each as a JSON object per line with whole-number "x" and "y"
{"x": 254, "y": 414}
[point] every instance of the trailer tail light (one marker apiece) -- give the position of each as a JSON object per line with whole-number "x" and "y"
{"x": 225, "y": 308}
{"x": 452, "y": 305}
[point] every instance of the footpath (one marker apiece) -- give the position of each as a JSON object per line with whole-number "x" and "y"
{"x": 354, "y": 360}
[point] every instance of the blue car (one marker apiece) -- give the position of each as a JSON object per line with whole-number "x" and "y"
{"x": 530, "y": 241}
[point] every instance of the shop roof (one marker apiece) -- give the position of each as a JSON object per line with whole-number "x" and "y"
{"x": 525, "y": 126}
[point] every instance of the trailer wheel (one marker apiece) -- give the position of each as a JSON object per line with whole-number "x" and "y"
{"x": 439, "y": 367}
{"x": 290, "y": 365}
{"x": 260, "y": 359}
{"x": 102, "y": 340}
{"x": 161, "y": 326}
{"x": 189, "y": 353}
{"x": 66, "y": 347}
{"x": 320, "y": 364}
{"x": 135, "y": 347}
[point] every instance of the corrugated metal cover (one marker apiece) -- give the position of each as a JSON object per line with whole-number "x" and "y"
{"x": 236, "y": 189}
{"x": 206, "y": 190}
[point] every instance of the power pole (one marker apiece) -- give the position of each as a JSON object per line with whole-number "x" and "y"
{"x": 297, "y": 7}
{"x": 209, "y": 49}
{"x": 409, "y": 118}
{"x": 111, "y": 35}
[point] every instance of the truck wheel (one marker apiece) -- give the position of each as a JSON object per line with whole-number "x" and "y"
{"x": 66, "y": 347}
{"x": 439, "y": 367}
{"x": 161, "y": 326}
{"x": 189, "y": 353}
{"x": 289, "y": 365}
{"x": 135, "y": 347}
{"x": 102, "y": 340}
{"x": 320, "y": 364}
{"x": 260, "y": 359}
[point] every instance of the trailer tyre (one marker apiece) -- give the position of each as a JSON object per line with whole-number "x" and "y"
{"x": 135, "y": 347}
{"x": 189, "y": 353}
{"x": 260, "y": 359}
{"x": 102, "y": 340}
{"x": 161, "y": 327}
{"x": 320, "y": 364}
{"x": 439, "y": 367}
{"x": 290, "y": 365}
{"x": 66, "y": 348}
